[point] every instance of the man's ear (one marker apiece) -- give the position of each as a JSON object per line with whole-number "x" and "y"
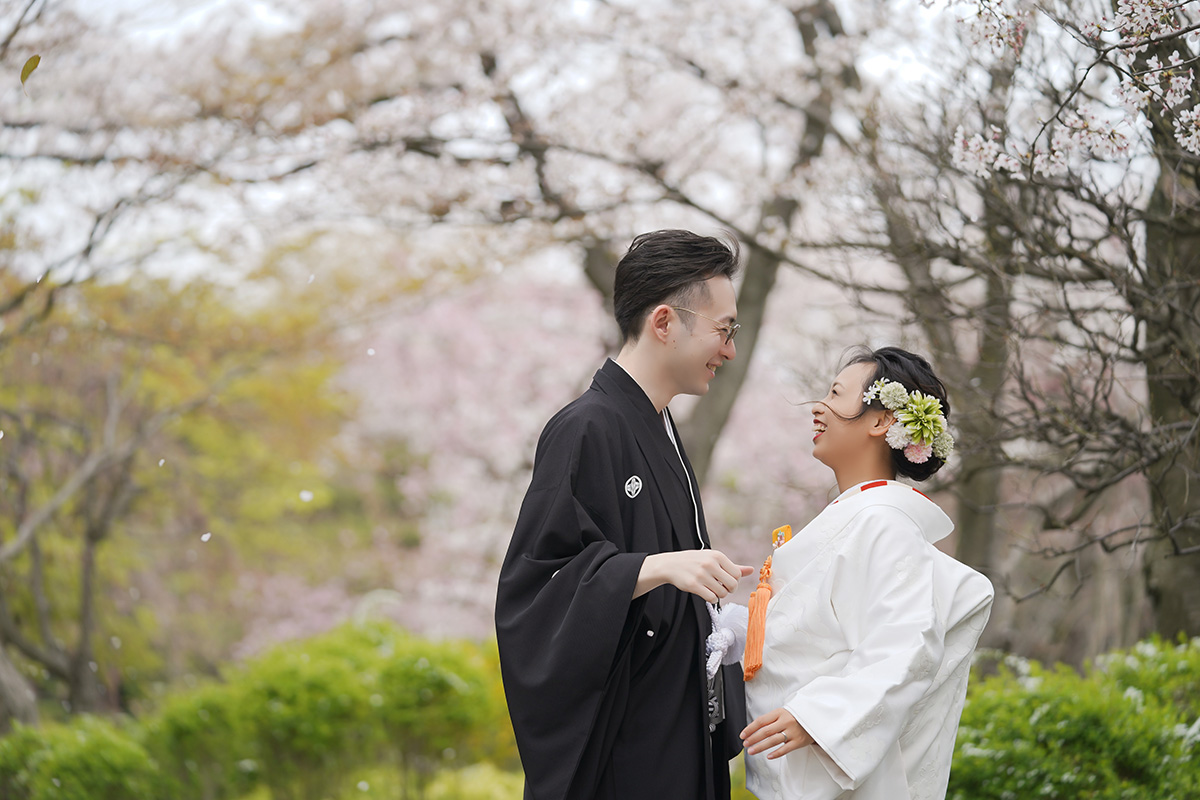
{"x": 883, "y": 421}
{"x": 659, "y": 322}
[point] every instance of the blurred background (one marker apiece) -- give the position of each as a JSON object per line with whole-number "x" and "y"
{"x": 288, "y": 289}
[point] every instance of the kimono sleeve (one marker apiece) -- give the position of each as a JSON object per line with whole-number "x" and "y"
{"x": 884, "y": 600}
{"x": 562, "y": 605}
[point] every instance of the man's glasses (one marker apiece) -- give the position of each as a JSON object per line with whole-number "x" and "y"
{"x": 729, "y": 331}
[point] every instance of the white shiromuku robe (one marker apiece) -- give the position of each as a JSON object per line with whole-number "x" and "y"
{"x": 869, "y": 636}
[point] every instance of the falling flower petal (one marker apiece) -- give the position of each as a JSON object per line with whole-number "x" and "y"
{"x": 306, "y": 496}
{"x": 206, "y": 536}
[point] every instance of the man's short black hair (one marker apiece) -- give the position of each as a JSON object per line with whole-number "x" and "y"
{"x": 668, "y": 266}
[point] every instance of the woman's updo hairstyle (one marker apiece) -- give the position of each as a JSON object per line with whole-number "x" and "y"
{"x": 913, "y": 372}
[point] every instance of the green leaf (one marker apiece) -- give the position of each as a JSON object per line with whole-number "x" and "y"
{"x": 29, "y": 67}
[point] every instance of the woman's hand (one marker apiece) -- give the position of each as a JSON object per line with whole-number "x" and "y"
{"x": 778, "y": 729}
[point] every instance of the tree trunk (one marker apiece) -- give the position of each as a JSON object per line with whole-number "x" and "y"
{"x": 1173, "y": 561}
{"x": 702, "y": 429}
{"x": 981, "y": 420}
{"x": 18, "y": 702}
{"x": 86, "y": 691}
{"x": 1172, "y": 316}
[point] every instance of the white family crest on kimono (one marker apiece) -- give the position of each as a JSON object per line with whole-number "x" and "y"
{"x": 868, "y": 643}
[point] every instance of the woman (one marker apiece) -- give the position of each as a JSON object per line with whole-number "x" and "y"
{"x": 869, "y": 629}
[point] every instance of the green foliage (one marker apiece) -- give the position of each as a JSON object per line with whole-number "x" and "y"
{"x": 86, "y": 760}
{"x": 201, "y": 743}
{"x": 1115, "y": 733}
{"x": 477, "y": 782}
{"x": 223, "y": 413}
{"x": 500, "y": 745}
{"x": 310, "y": 719}
{"x": 481, "y": 781}
{"x": 433, "y": 701}
{"x": 307, "y": 717}
{"x": 1170, "y": 673}
{"x": 306, "y": 720}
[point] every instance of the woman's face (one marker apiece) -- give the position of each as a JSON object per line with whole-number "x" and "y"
{"x": 834, "y": 434}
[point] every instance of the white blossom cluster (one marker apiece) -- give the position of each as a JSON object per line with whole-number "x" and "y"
{"x": 1000, "y": 24}
{"x": 1081, "y": 132}
{"x": 981, "y": 156}
{"x": 1168, "y": 86}
{"x": 1144, "y": 83}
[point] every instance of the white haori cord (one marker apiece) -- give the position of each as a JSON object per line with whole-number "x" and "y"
{"x": 728, "y": 639}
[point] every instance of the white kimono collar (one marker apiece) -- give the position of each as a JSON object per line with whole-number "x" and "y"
{"x": 935, "y": 525}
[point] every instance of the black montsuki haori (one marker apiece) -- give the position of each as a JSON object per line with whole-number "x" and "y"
{"x": 608, "y": 695}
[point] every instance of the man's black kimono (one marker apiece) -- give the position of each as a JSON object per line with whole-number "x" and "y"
{"x": 608, "y": 695}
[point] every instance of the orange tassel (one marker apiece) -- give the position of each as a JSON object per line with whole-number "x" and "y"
{"x": 756, "y": 629}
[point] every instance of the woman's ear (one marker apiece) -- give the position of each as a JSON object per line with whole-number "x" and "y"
{"x": 883, "y": 420}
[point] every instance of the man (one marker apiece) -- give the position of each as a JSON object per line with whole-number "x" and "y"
{"x": 600, "y": 614}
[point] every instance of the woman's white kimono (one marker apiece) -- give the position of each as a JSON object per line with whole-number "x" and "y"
{"x": 868, "y": 643}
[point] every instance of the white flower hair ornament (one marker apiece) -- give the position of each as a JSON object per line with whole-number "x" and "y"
{"x": 922, "y": 430}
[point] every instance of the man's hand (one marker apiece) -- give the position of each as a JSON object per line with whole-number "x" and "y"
{"x": 710, "y": 574}
{"x": 778, "y": 729}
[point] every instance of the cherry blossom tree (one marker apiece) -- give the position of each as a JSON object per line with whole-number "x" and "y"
{"x": 461, "y": 114}
{"x": 613, "y": 118}
{"x": 1046, "y": 258}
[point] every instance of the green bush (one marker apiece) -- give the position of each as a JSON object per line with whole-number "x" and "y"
{"x": 482, "y": 781}
{"x": 477, "y": 782}
{"x": 201, "y": 743}
{"x": 435, "y": 707}
{"x": 309, "y": 719}
{"x": 309, "y": 714}
{"x": 1168, "y": 672}
{"x": 88, "y": 759}
{"x": 497, "y": 743}
{"x": 1111, "y": 734}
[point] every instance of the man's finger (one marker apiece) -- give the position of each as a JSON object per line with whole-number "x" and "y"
{"x": 735, "y": 571}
